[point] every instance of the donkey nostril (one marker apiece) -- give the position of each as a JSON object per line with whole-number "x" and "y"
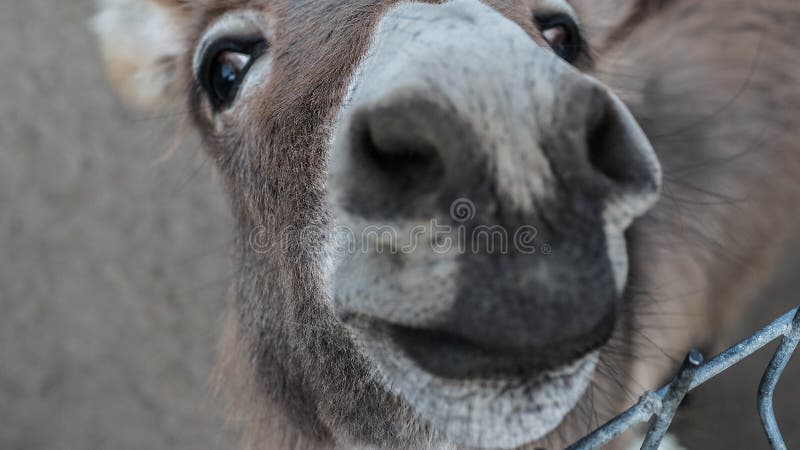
{"x": 605, "y": 153}
{"x": 397, "y": 152}
{"x": 619, "y": 151}
{"x": 407, "y": 164}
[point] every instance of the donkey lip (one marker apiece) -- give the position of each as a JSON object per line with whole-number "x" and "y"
{"x": 449, "y": 356}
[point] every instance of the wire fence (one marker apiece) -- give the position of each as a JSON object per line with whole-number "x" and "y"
{"x": 660, "y": 407}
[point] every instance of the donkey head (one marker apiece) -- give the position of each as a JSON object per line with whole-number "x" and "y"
{"x": 431, "y": 201}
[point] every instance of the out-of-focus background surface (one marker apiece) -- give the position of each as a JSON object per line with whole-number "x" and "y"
{"x": 113, "y": 267}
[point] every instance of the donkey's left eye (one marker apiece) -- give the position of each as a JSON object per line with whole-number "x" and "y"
{"x": 563, "y": 35}
{"x": 224, "y": 67}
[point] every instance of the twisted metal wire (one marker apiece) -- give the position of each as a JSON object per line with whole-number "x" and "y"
{"x": 660, "y": 407}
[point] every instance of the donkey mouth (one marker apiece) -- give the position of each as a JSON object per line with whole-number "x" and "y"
{"x": 450, "y": 356}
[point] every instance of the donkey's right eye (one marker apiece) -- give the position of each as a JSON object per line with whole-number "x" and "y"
{"x": 225, "y": 65}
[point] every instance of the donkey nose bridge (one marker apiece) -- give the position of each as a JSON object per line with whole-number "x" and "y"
{"x": 462, "y": 50}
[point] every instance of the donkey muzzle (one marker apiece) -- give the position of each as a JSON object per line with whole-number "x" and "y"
{"x": 451, "y": 105}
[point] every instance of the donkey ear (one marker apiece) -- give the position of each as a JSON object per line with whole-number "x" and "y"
{"x": 141, "y": 42}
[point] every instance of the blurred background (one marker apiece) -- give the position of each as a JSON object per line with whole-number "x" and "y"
{"x": 113, "y": 268}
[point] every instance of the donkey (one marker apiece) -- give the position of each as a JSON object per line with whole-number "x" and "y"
{"x": 636, "y": 155}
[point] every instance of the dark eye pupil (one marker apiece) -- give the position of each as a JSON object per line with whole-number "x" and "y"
{"x": 223, "y": 74}
{"x": 563, "y": 36}
{"x": 224, "y": 80}
{"x": 224, "y": 67}
{"x": 563, "y": 43}
{"x": 566, "y": 51}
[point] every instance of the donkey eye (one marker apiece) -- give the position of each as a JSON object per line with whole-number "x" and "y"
{"x": 226, "y": 73}
{"x": 225, "y": 65}
{"x": 563, "y": 35}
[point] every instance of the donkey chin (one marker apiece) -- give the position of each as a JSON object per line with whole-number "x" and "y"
{"x": 491, "y": 338}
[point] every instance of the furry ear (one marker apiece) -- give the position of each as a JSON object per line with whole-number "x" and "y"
{"x": 141, "y": 43}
